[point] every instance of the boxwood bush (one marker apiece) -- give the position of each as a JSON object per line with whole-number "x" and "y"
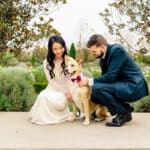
{"x": 39, "y": 86}
{"x": 40, "y": 82}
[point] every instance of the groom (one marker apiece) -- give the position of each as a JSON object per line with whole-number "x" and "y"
{"x": 121, "y": 81}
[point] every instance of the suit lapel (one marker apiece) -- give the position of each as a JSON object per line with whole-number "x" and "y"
{"x": 105, "y": 62}
{"x": 103, "y": 65}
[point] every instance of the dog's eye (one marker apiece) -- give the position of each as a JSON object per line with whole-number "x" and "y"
{"x": 72, "y": 65}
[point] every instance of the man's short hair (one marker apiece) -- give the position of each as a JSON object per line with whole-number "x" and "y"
{"x": 97, "y": 40}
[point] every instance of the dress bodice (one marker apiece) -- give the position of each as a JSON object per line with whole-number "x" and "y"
{"x": 60, "y": 81}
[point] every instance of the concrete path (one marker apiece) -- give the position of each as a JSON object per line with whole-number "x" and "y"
{"x": 17, "y": 133}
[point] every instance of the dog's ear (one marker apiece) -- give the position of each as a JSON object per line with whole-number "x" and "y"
{"x": 79, "y": 60}
{"x": 66, "y": 58}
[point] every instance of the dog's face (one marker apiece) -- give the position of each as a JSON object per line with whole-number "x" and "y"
{"x": 73, "y": 67}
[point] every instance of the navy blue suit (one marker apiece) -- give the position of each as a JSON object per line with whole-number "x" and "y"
{"x": 121, "y": 81}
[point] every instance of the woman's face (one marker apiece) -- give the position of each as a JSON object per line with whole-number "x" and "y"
{"x": 58, "y": 50}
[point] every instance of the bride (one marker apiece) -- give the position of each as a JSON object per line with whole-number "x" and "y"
{"x": 50, "y": 106}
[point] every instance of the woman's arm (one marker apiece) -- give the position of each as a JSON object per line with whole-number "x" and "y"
{"x": 46, "y": 70}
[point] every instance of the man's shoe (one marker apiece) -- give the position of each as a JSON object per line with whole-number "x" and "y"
{"x": 128, "y": 108}
{"x": 116, "y": 118}
{"x": 120, "y": 120}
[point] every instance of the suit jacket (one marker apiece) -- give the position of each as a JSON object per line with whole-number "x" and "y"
{"x": 118, "y": 68}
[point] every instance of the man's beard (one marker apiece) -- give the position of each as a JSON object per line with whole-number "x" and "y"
{"x": 100, "y": 56}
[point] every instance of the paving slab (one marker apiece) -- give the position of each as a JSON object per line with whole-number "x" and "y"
{"x": 17, "y": 133}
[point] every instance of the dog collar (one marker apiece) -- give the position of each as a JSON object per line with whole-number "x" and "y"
{"x": 78, "y": 79}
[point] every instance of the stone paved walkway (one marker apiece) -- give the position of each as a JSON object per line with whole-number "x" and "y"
{"x": 17, "y": 133}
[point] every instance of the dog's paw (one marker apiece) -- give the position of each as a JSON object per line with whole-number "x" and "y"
{"x": 86, "y": 123}
{"x": 99, "y": 119}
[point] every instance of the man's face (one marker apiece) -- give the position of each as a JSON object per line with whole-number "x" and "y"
{"x": 97, "y": 51}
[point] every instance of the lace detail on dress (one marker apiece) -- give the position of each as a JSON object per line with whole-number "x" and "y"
{"x": 60, "y": 81}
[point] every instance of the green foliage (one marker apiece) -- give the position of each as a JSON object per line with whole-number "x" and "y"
{"x": 138, "y": 58}
{"x": 131, "y": 16}
{"x": 93, "y": 68}
{"x": 24, "y": 56}
{"x": 142, "y": 105}
{"x": 22, "y": 22}
{"x": 142, "y": 58}
{"x": 85, "y": 55}
{"x": 16, "y": 90}
{"x": 39, "y": 86}
{"x": 72, "y": 51}
{"x": 40, "y": 54}
{"x": 37, "y": 57}
{"x": 70, "y": 105}
{"x": 95, "y": 72}
{"x": 146, "y": 59}
{"x": 39, "y": 74}
{"x": 143, "y": 51}
{"x": 40, "y": 79}
{"x": 33, "y": 60}
{"x": 8, "y": 59}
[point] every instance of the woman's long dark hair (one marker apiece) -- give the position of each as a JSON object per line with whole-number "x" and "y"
{"x": 51, "y": 56}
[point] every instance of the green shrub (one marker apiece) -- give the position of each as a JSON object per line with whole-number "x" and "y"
{"x": 1, "y": 67}
{"x": 94, "y": 71}
{"x": 34, "y": 61}
{"x": 70, "y": 105}
{"x": 142, "y": 105}
{"x": 39, "y": 86}
{"x": 40, "y": 54}
{"x": 37, "y": 57}
{"x": 40, "y": 79}
{"x": 16, "y": 91}
{"x": 8, "y": 59}
{"x": 146, "y": 59}
{"x": 24, "y": 56}
{"x": 146, "y": 73}
{"x": 138, "y": 57}
{"x": 85, "y": 55}
{"x": 72, "y": 51}
{"x": 39, "y": 74}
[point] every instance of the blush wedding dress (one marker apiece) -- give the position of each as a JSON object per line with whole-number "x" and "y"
{"x": 51, "y": 106}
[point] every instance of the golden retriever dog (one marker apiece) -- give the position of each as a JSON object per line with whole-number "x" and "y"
{"x": 81, "y": 94}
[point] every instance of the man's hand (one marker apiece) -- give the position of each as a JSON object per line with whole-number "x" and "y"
{"x": 84, "y": 81}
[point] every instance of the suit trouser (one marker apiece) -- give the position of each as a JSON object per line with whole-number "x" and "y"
{"x": 103, "y": 93}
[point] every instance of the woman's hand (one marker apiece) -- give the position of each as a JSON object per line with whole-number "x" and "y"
{"x": 68, "y": 96}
